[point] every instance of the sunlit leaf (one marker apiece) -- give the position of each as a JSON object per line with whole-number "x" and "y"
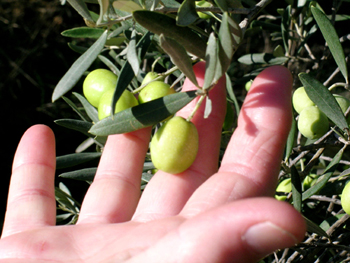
{"x": 322, "y": 97}
{"x": 83, "y": 32}
{"x": 78, "y": 68}
{"x": 162, "y": 24}
{"x": 208, "y": 107}
{"x": 73, "y": 159}
{"x": 81, "y": 8}
{"x": 179, "y": 57}
{"x": 143, "y": 115}
{"x": 332, "y": 39}
{"x": 131, "y": 54}
{"x": 261, "y": 58}
{"x": 126, "y": 5}
{"x": 187, "y": 13}
{"x": 212, "y": 62}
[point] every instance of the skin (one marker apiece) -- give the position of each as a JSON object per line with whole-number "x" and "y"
{"x": 203, "y": 215}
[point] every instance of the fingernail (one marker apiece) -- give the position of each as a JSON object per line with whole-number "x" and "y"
{"x": 267, "y": 237}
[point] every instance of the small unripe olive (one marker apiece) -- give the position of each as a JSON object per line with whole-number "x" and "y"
{"x": 150, "y": 76}
{"x": 312, "y": 123}
{"x": 155, "y": 90}
{"x": 285, "y": 187}
{"x": 98, "y": 82}
{"x": 174, "y": 146}
{"x": 301, "y": 100}
{"x": 345, "y": 198}
{"x": 309, "y": 181}
{"x": 248, "y": 84}
{"x": 126, "y": 100}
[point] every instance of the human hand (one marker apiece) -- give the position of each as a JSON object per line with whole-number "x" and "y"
{"x": 205, "y": 214}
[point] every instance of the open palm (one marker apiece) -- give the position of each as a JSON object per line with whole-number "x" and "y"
{"x": 205, "y": 214}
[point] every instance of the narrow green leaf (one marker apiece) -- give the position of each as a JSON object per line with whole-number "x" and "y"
{"x": 162, "y": 24}
{"x": 261, "y": 58}
{"x": 314, "y": 228}
{"x": 73, "y": 159}
{"x": 187, "y": 14}
{"x": 81, "y": 8}
{"x": 131, "y": 54}
{"x": 104, "y": 4}
{"x": 208, "y": 107}
{"x": 74, "y": 107}
{"x": 86, "y": 174}
{"x": 78, "y": 68}
{"x": 90, "y": 110}
{"x": 83, "y": 32}
{"x": 126, "y": 5}
{"x": 285, "y": 26}
{"x": 222, "y": 4}
{"x": 332, "y": 39}
{"x": 179, "y": 57}
{"x": 232, "y": 95}
{"x": 331, "y": 167}
{"x": 327, "y": 223}
{"x": 290, "y": 140}
{"x": 323, "y": 98}
{"x": 78, "y": 49}
{"x": 77, "y": 125}
{"x": 143, "y": 115}
{"x": 212, "y": 62}
{"x": 296, "y": 188}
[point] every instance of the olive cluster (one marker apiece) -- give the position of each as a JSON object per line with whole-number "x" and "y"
{"x": 174, "y": 146}
{"x": 312, "y": 122}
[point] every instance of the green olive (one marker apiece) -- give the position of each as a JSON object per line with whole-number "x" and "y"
{"x": 285, "y": 187}
{"x": 150, "y": 76}
{"x": 345, "y": 198}
{"x": 301, "y": 100}
{"x": 155, "y": 90}
{"x": 248, "y": 85}
{"x": 312, "y": 123}
{"x": 309, "y": 181}
{"x": 126, "y": 100}
{"x": 174, "y": 146}
{"x": 98, "y": 82}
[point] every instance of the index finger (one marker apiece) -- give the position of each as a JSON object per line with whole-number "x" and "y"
{"x": 252, "y": 159}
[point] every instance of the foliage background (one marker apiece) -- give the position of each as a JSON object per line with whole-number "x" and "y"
{"x": 34, "y": 56}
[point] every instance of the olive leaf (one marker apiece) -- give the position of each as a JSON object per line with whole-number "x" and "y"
{"x": 323, "y": 98}
{"x": 212, "y": 62}
{"x": 332, "y": 39}
{"x": 131, "y": 54}
{"x": 90, "y": 110}
{"x": 126, "y": 5}
{"x": 290, "y": 140}
{"x": 86, "y": 174}
{"x": 187, "y": 13}
{"x": 261, "y": 58}
{"x": 83, "y": 32}
{"x": 143, "y": 115}
{"x": 208, "y": 107}
{"x": 179, "y": 57}
{"x": 296, "y": 188}
{"x": 328, "y": 172}
{"x": 78, "y": 68}
{"x": 127, "y": 73}
{"x": 73, "y": 159}
{"x": 104, "y": 5}
{"x": 162, "y": 24}
{"x": 314, "y": 228}
{"x": 81, "y": 8}
{"x": 75, "y": 108}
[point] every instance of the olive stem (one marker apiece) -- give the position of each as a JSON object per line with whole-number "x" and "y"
{"x": 198, "y": 104}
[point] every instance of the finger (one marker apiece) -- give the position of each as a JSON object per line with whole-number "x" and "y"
{"x": 115, "y": 191}
{"x": 167, "y": 193}
{"x": 242, "y": 231}
{"x": 31, "y": 200}
{"x": 251, "y": 162}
